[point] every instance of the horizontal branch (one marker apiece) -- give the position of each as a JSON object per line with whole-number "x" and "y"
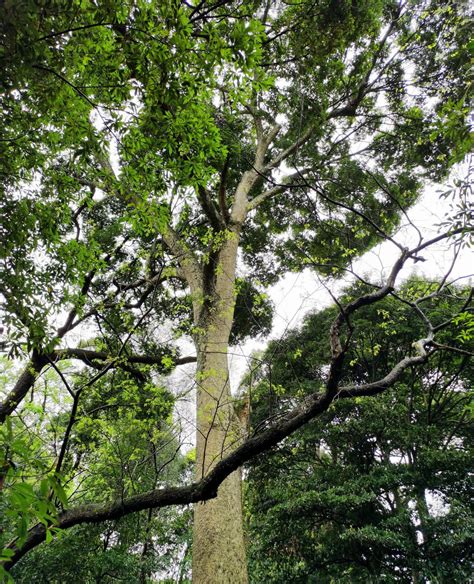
{"x": 207, "y": 487}
{"x": 35, "y": 365}
{"x": 452, "y": 349}
{"x": 89, "y": 355}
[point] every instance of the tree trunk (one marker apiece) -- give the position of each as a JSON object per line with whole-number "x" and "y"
{"x": 218, "y": 539}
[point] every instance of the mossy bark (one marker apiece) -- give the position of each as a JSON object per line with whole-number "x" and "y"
{"x": 218, "y": 540}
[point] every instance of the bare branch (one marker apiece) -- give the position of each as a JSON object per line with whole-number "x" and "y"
{"x": 285, "y": 183}
{"x": 277, "y": 160}
{"x": 450, "y": 348}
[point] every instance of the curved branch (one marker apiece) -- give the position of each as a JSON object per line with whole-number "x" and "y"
{"x": 22, "y": 386}
{"x": 376, "y": 387}
{"x": 96, "y": 359}
{"x": 314, "y": 405}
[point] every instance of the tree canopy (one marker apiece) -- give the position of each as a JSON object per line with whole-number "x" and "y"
{"x": 162, "y": 163}
{"x": 348, "y": 497}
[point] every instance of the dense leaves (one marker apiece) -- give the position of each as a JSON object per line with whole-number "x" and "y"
{"x": 374, "y": 490}
{"x": 144, "y": 143}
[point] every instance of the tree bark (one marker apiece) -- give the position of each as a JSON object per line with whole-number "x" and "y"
{"x": 23, "y": 385}
{"x": 218, "y": 538}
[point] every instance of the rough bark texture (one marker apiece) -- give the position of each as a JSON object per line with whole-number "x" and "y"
{"x": 218, "y": 542}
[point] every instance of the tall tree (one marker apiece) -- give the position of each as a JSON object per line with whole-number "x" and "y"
{"x": 373, "y": 490}
{"x": 148, "y": 143}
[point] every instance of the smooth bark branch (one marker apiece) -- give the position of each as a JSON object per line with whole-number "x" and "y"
{"x": 239, "y": 208}
{"x": 284, "y": 184}
{"x": 240, "y": 205}
{"x": 188, "y": 262}
{"x": 277, "y": 160}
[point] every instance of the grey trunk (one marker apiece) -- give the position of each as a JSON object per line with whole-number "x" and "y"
{"x": 218, "y": 538}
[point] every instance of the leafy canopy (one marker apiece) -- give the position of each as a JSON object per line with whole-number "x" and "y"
{"x": 374, "y": 489}
{"x": 127, "y": 130}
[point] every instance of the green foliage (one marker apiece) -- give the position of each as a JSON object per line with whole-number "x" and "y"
{"x": 253, "y": 313}
{"x": 113, "y": 551}
{"x": 375, "y": 490}
{"x": 166, "y": 90}
{"x": 121, "y": 442}
{"x": 125, "y": 122}
{"x": 73, "y": 78}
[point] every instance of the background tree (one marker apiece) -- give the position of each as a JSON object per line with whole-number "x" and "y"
{"x": 113, "y": 552}
{"x": 121, "y": 440}
{"x": 374, "y": 489}
{"x": 147, "y": 143}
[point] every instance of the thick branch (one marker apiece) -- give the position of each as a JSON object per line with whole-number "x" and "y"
{"x": 23, "y": 385}
{"x": 285, "y": 183}
{"x": 369, "y": 389}
{"x": 240, "y": 206}
{"x": 188, "y": 262}
{"x": 207, "y": 487}
{"x": 209, "y": 208}
{"x": 275, "y": 162}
